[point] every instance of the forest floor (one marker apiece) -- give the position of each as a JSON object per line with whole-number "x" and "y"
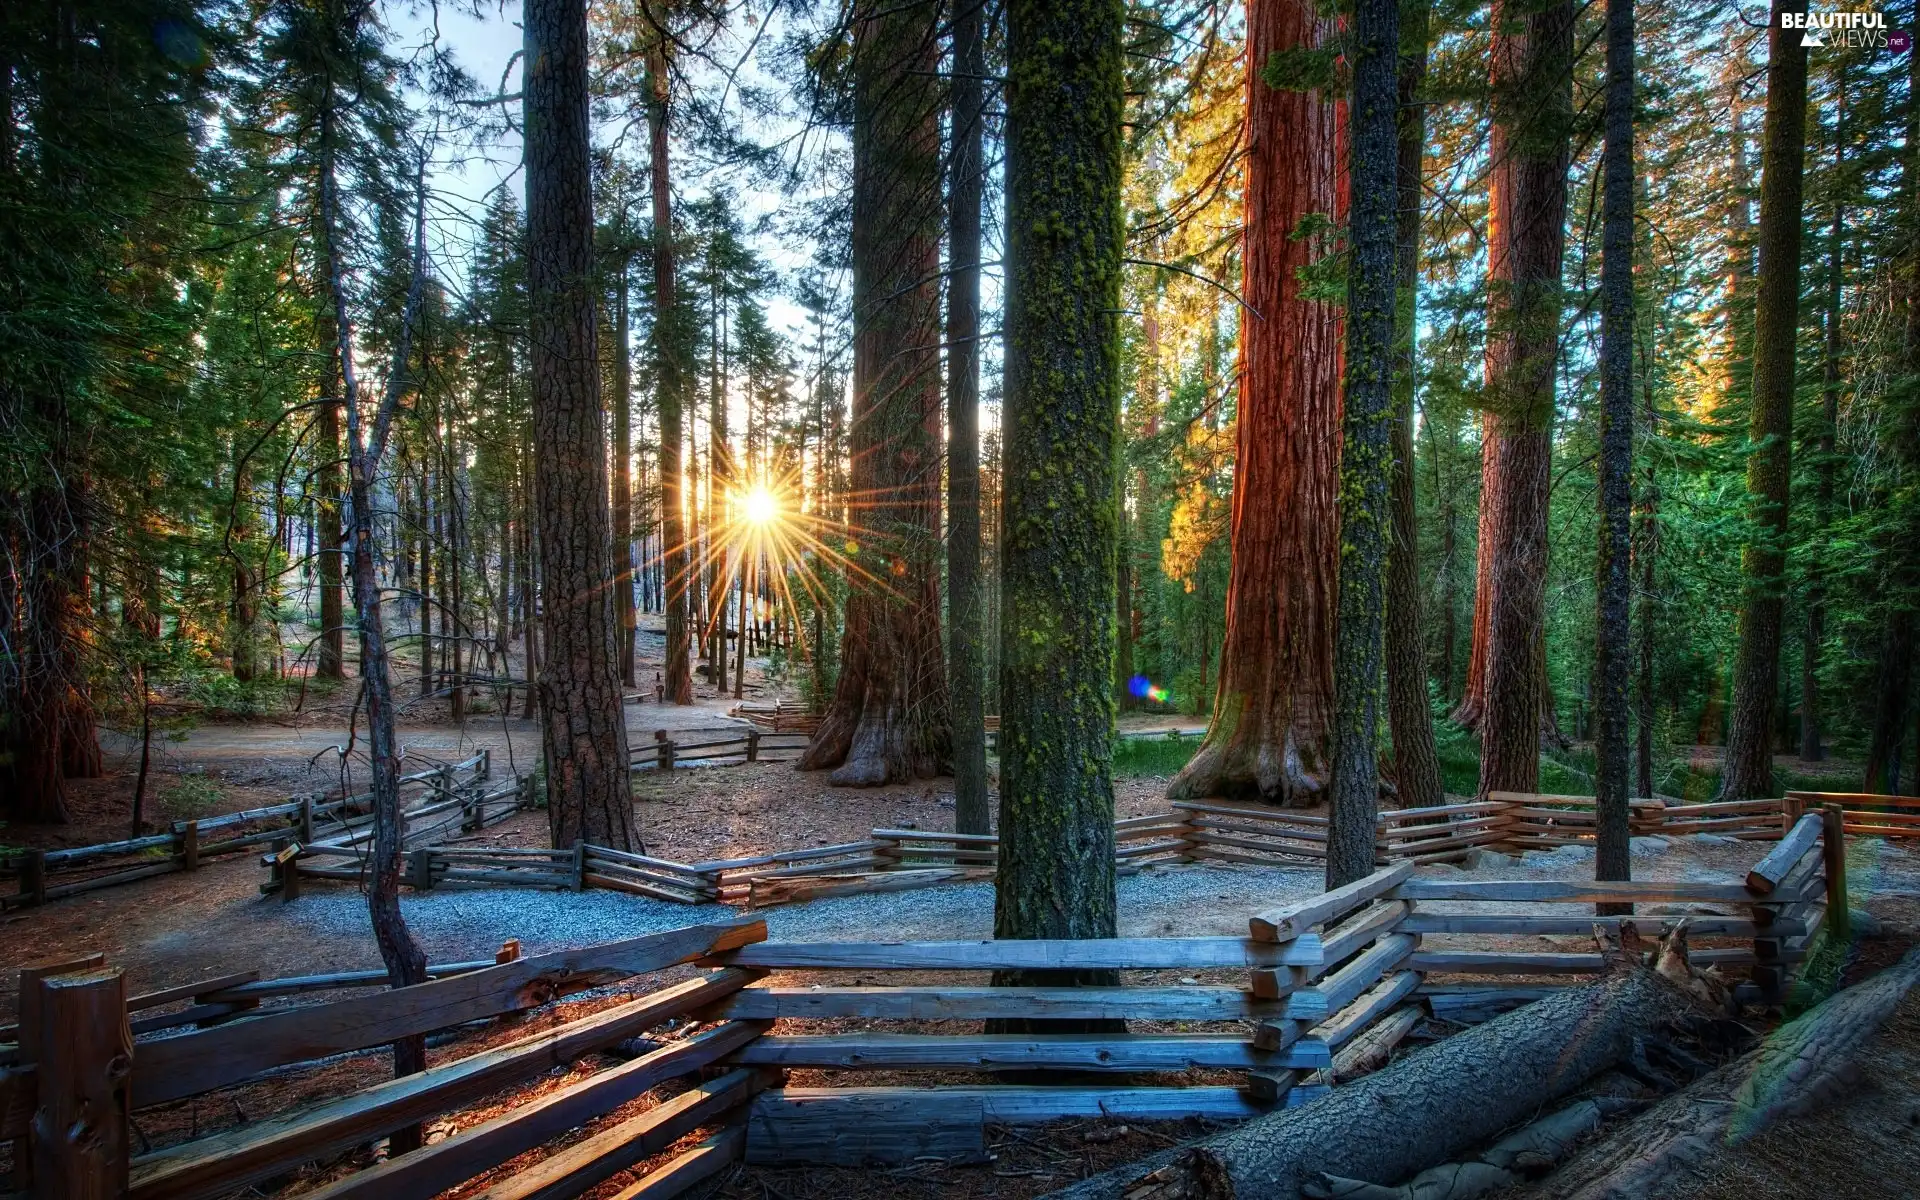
{"x": 177, "y": 928}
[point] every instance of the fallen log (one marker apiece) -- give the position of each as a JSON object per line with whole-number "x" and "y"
{"x": 1519, "y": 1156}
{"x": 1807, "y": 1061}
{"x": 1426, "y": 1108}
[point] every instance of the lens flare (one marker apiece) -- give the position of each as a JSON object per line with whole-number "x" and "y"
{"x": 1145, "y": 689}
{"x": 760, "y": 506}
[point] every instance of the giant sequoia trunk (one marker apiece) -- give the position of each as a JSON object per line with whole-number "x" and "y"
{"x": 1416, "y": 763}
{"x": 1532, "y": 98}
{"x": 1064, "y": 102}
{"x": 1273, "y": 707}
{"x": 584, "y": 721}
{"x": 1763, "y": 564}
{"x": 888, "y": 719}
{"x": 670, "y": 368}
{"x": 965, "y": 633}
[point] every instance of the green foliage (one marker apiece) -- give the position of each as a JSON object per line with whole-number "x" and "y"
{"x": 1141, "y": 757}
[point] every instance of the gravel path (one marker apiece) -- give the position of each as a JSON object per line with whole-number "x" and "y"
{"x": 1187, "y": 900}
{"x": 466, "y": 923}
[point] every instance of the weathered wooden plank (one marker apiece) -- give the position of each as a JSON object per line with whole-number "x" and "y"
{"x": 1397, "y": 816}
{"x": 585, "y": 1164}
{"x": 1769, "y": 871}
{"x": 1856, "y": 799}
{"x": 1521, "y": 924}
{"x": 214, "y": 1165}
{"x": 1269, "y": 840}
{"x": 1107, "y": 954}
{"x": 184, "y": 1066}
{"x": 1359, "y": 929}
{"x": 883, "y": 1125}
{"x": 763, "y": 892}
{"x": 622, "y": 883}
{"x": 693, "y": 874}
{"x": 1440, "y": 829}
{"x": 1291, "y": 921}
{"x": 1372, "y": 1004}
{"x": 985, "y": 1004}
{"x": 1345, "y": 985}
{"x": 1506, "y": 962}
{"x": 1254, "y": 814}
{"x": 1005, "y": 1052}
{"x": 1681, "y": 812}
{"x": 1201, "y": 849}
{"x": 1573, "y": 892}
{"x": 712, "y": 1156}
{"x": 432, "y": 1169}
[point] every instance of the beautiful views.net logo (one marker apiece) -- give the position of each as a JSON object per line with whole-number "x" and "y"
{"x": 1851, "y": 30}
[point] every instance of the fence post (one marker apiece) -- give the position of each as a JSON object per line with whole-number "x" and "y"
{"x": 666, "y": 755}
{"x": 190, "y": 846}
{"x": 509, "y": 951}
{"x": 306, "y": 819}
{"x": 579, "y": 865}
{"x": 33, "y": 876}
{"x": 28, "y": 1037}
{"x": 486, "y": 763}
{"x": 753, "y": 745}
{"x": 1833, "y": 848}
{"x": 84, "y": 1063}
{"x": 420, "y": 869}
{"x": 446, "y": 783}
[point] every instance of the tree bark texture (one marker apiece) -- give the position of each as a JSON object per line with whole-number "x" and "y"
{"x": 888, "y": 720}
{"x": 1065, "y": 94}
{"x": 1532, "y": 105}
{"x": 1416, "y": 763}
{"x": 331, "y": 483}
{"x": 1613, "y": 634}
{"x": 1813, "y": 621}
{"x": 1366, "y": 451}
{"x": 670, "y": 369}
{"x": 1813, "y": 1061}
{"x": 1776, "y": 322}
{"x": 589, "y": 796}
{"x": 1424, "y": 1109}
{"x": 1273, "y": 707}
{"x": 966, "y": 665}
{"x": 626, "y": 652}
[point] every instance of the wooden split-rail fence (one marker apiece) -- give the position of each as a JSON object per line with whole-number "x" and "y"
{"x": 1318, "y": 990}
{"x": 905, "y": 859}
{"x": 44, "y": 875}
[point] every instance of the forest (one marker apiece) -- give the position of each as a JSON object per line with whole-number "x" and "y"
{"x": 1433, "y": 399}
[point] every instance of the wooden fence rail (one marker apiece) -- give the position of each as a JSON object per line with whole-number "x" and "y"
{"x": 1331, "y": 979}
{"x": 185, "y": 845}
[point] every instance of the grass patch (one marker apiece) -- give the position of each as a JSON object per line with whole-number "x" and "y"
{"x": 1135, "y": 758}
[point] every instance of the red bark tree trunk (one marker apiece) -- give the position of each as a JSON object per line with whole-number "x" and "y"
{"x": 1274, "y": 703}
{"x": 1526, "y": 238}
{"x": 888, "y": 720}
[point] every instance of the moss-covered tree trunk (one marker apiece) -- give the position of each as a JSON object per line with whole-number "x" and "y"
{"x": 1273, "y": 707}
{"x": 1058, "y": 526}
{"x": 1532, "y": 106}
{"x": 1776, "y": 323}
{"x": 888, "y": 720}
{"x": 1612, "y": 622}
{"x": 966, "y": 667}
{"x": 1366, "y": 438}
{"x": 583, "y": 719}
{"x": 670, "y": 388}
{"x": 1416, "y": 763}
